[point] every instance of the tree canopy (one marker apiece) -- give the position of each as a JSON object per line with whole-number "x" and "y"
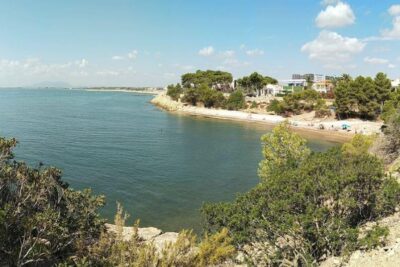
{"x": 210, "y": 78}
{"x": 254, "y": 82}
{"x": 362, "y": 97}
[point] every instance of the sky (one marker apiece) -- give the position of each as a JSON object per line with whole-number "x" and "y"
{"x": 153, "y": 42}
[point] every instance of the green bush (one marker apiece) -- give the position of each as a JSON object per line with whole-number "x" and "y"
{"x": 236, "y": 101}
{"x": 375, "y": 237}
{"x": 43, "y": 221}
{"x": 296, "y": 103}
{"x": 210, "y": 97}
{"x": 191, "y": 96}
{"x": 308, "y": 204}
{"x": 391, "y": 106}
{"x": 115, "y": 249}
{"x": 322, "y": 112}
{"x": 254, "y": 105}
{"x": 276, "y": 107}
{"x": 174, "y": 91}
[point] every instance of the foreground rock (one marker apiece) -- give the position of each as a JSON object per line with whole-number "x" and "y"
{"x": 148, "y": 233}
{"x": 388, "y": 256}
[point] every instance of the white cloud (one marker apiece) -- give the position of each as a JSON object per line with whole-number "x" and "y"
{"x": 117, "y": 58}
{"x": 206, "y": 51}
{"x": 375, "y": 60}
{"x": 329, "y": 2}
{"x": 255, "y": 52}
{"x": 394, "y": 10}
{"x": 335, "y": 16}
{"x": 183, "y": 67}
{"x": 391, "y": 66}
{"x": 169, "y": 75}
{"x": 332, "y": 47}
{"x": 233, "y": 62}
{"x": 393, "y": 33}
{"x": 108, "y": 73}
{"x": 82, "y": 63}
{"x": 133, "y": 54}
{"x": 228, "y": 53}
{"x": 339, "y": 67}
{"x": 187, "y": 67}
{"x": 32, "y": 70}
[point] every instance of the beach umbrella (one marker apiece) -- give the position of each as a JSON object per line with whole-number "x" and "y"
{"x": 346, "y": 125}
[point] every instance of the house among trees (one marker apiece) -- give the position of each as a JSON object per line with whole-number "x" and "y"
{"x": 396, "y": 84}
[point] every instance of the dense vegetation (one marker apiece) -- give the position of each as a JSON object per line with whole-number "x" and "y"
{"x": 207, "y": 87}
{"x": 362, "y": 97}
{"x": 45, "y": 223}
{"x": 296, "y": 103}
{"x": 210, "y": 78}
{"x": 391, "y": 106}
{"x": 254, "y": 82}
{"x": 174, "y": 91}
{"x": 307, "y": 205}
{"x": 43, "y": 220}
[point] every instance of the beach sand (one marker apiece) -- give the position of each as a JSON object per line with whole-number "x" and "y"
{"x": 306, "y": 124}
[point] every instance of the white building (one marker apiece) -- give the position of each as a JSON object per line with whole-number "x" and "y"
{"x": 274, "y": 89}
{"x": 295, "y": 82}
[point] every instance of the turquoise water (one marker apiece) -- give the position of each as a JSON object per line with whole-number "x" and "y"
{"x": 160, "y": 166}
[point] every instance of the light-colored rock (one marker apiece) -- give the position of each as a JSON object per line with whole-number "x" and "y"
{"x": 162, "y": 240}
{"x": 388, "y": 256}
{"x": 146, "y": 234}
{"x": 332, "y": 262}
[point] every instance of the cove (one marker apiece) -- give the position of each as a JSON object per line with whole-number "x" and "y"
{"x": 161, "y": 167}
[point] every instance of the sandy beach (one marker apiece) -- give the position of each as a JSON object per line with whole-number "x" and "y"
{"x": 321, "y": 128}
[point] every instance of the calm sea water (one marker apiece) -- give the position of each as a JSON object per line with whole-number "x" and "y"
{"x": 160, "y": 166}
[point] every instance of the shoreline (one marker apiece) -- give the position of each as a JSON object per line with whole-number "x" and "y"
{"x": 332, "y": 128}
{"x": 155, "y": 93}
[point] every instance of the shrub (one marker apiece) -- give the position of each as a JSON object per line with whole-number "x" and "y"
{"x": 375, "y": 237}
{"x": 253, "y": 105}
{"x": 322, "y": 112}
{"x": 174, "y": 91}
{"x": 391, "y": 106}
{"x": 191, "y": 96}
{"x": 307, "y": 206}
{"x": 299, "y": 102}
{"x": 235, "y": 101}
{"x": 43, "y": 221}
{"x": 276, "y": 107}
{"x": 210, "y": 97}
{"x": 113, "y": 249}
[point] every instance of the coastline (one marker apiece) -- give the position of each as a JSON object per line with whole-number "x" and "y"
{"x": 145, "y": 92}
{"x": 309, "y": 127}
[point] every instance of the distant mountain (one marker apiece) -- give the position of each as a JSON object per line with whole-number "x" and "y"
{"x": 51, "y": 84}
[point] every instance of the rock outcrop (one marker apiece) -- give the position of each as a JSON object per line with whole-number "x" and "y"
{"x": 387, "y": 256}
{"x": 148, "y": 234}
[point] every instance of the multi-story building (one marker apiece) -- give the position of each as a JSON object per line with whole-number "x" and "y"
{"x": 309, "y": 76}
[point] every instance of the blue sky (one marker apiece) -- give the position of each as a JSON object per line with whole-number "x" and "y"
{"x": 151, "y": 43}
